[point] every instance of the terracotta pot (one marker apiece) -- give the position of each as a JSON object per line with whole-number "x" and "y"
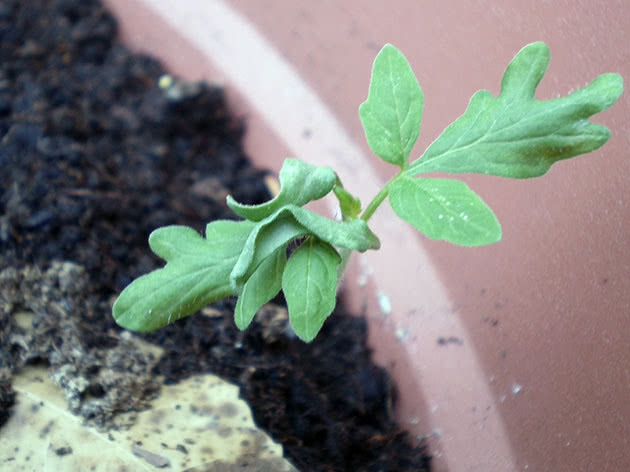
{"x": 512, "y": 356}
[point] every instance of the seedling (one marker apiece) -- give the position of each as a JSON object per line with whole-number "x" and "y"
{"x": 512, "y": 135}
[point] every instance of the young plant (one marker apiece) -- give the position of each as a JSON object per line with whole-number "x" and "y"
{"x": 512, "y": 135}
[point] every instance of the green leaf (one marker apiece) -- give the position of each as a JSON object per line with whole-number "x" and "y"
{"x": 300, "y": 183}
{"x": 309, "y": 284}
{"x": 444, "y": 209}
{"x": 197, "y": 272}
{"x": 262, "y": 286}
{"x": 268, "y": 236}
{"x": 349, "y": 204}
{"x": 352, "y": 234}
{"x": 515, "y": 135}
{"x": 291, "y": 222}
{"x": 391, "y": 114}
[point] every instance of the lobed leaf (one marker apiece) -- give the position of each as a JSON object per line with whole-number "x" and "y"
{"x": 300, "y": 183}
{"x": 309, "y": 284}
{"x": 291, "y": 222}
{"x": 444, "y": 209}
{"x": 391, "y": 114}
{"x": 515, "y": 135}
{"x": 197, "y": 272}
{"x": 262, "y": 286}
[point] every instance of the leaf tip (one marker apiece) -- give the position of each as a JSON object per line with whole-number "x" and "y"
{"x": 539, "y": 46}
{"x": 307, "y": 338}
{"x": 389, "y": 47}
{"x": 614, "y": 84}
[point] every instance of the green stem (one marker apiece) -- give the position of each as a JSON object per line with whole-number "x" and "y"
{"x": 374, "y": 204}
{"x": 367, "y": 213}
{"x": 378, "y": 198}
{"x": 341, "y": 268}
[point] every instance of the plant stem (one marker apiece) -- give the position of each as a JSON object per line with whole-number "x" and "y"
{"x": 378, "y": 198}
{"x": 341, "y": 268}
{"x": 374, "y": 204}
{"x": 367, "y": 213}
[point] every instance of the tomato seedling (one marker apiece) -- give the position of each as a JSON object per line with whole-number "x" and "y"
{"x": 512, "y": 135}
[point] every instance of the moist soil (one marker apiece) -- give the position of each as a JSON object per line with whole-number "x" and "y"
{"x": 94, "y": 155}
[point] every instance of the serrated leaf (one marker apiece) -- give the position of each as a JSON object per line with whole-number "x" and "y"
{"x": 300, "y": 183}
{"x": 309, "y": 284}
{"x": 515, "y": 135}
{"x": 391, "y": 114}
{"x": 291, "y": 222}
{"x": 197, "y": 272}
{"x": 262, "y": 286}
{"x": 444, "y": 209}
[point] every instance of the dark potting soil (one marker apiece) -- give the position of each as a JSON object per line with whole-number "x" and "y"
{"x": 94, "y": 155}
